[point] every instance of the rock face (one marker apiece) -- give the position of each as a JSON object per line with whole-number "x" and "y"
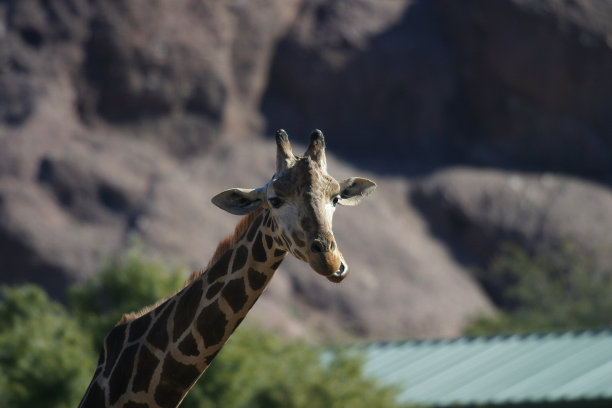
{"x": 142, "y": 65}
{"x": 473, "y": 81}
{"x": 69, "y": 197}
{"x": 535, "y": 73}
{"x": 363, "y": 69}
{"x": 119, "y": 121}
{"x": 479, "y": 210}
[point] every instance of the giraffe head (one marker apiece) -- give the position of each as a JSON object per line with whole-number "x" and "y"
{"x": 301, "y": 198}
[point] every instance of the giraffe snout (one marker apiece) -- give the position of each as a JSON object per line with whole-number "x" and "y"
{"x": 325, "y": 258}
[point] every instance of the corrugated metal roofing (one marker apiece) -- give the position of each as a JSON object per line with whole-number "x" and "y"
{"x": 497, "y": 370}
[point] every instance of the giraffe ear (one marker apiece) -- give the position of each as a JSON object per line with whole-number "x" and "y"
{"x": 239, "y": 201}
{"x": 355, "y": 189}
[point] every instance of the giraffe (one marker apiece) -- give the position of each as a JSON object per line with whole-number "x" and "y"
{"x": 152, "y": 358}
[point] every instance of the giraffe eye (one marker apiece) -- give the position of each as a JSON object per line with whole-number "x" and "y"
{"x": 275, "y": 202}
{"x": 335, "y": 200}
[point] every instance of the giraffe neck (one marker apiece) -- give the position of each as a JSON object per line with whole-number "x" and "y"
{"x": 154, "y": 359}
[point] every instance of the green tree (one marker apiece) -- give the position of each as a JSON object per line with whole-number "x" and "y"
{"x": 261, "y": 370}
{"x": 126, "y": 284}
{"x": 546, "y": 291}
{"x": 48, "y": 352}
{"x": 253, "y": 370}
{"x": 45, "y": 361}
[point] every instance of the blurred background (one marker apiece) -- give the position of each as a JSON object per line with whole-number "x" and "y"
{"x": 486, "y": 124}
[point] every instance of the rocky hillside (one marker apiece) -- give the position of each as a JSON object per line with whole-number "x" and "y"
{"x": 471, "y": 81}
{"x": 119, "y": 121}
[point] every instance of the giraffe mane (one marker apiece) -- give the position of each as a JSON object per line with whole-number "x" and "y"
{"x": 223, "y": 246}
{"x": 226, "y": 243}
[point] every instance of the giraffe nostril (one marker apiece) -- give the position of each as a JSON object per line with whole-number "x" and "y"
{"x": 317, "y": 246}
{"x": 332, "y": 245}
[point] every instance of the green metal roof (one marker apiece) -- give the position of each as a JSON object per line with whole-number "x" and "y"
{"x": 497, "y": 370}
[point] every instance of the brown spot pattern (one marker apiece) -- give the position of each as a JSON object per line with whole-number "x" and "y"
{"x": 240, "y": 258}
{"x": 167, "y": 397}
{"x": 211, "y": 324}
{"x": 139, "y": 327}
{"x": 235, "y": 294}
{"x": 94, "y": 398}
{"x": 147, "y": 363}
{"x": 113, "y": 345}
{"x": 269, "y": 241}
{"x": 256, "y": 279}
{"x": 220, "y": 268}
{"x": 213, "y": 290}
{"x": 254, "y": 228}
{"x": 118, "y": 382}
{"x": 158, "y": 335}
{"x": 186, "y": 308}
{"x": 188, "y": 346}
{"x": 175, "y": 381}
{"x": 258, "y": 251}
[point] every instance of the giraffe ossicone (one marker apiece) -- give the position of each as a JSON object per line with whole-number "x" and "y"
{"x": 152, "y": 358}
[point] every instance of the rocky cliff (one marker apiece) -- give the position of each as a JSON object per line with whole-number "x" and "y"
{"x": 119, "y": 121}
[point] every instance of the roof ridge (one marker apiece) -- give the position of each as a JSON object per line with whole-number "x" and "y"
{"x": 493, "y": 337}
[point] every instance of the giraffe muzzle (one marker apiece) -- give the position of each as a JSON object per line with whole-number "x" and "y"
{"x": 330, "y": 264}
{"x": 326, "y": 259}
{"x": 340, "y": 274}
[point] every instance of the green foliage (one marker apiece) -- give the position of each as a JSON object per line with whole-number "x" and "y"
{"x": 260, "y": 370}
{"x": 44, "y": 359}
{"x": 126, "y": 285}
{"x": 48, "y": 351}
{"x": 542, "y": 292}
